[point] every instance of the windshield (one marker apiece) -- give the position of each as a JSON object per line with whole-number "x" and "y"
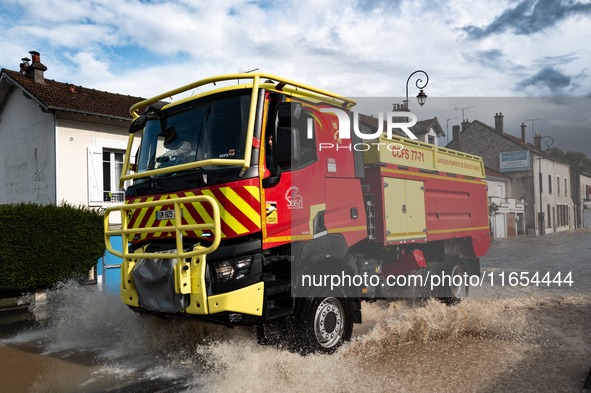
{"x": 214, "y": 127}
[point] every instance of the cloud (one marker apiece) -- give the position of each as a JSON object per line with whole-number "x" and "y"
{"x": 89, "y": 67}
{"x": 529, "y": 17}
{"x": 378, "y": 5}
{"x": 549, "y": 79}
{"x": 486, "y": 58}
{"x": 352, "y": 47}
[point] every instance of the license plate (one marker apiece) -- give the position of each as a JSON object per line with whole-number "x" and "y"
{"x": 166, "y": 214}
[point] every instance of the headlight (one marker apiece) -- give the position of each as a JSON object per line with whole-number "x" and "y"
{"x": 236, "y": 269}
{"x": 224, "y": 271}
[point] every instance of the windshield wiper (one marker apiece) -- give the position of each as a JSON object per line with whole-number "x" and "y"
{"x": 153, "y": 183}
{"x": 207, "y": 174}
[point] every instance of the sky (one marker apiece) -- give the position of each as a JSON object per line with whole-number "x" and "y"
{"x": 359, "y": 48}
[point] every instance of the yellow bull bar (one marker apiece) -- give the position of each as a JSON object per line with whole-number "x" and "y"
{"x": 189, "y": 276}
{"x": 178, "y": 228}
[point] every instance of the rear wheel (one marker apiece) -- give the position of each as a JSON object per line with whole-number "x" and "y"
{"x": 457, "y": 288}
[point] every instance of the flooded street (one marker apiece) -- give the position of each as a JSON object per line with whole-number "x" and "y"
{"x": 510, "y": 339}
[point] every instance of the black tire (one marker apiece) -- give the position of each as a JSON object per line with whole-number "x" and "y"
{"x": 324, "y": 323}
{"x": 453, "y": 294}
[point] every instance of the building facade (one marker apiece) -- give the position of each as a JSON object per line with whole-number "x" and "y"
{"x": 538, "y": 178}
{"x": 507, "y": 213}
{"x": 60, "y": 142}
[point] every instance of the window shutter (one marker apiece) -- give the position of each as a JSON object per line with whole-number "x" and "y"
{"x": 95, "y": 175}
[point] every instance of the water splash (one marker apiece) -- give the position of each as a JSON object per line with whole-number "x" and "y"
{"x": 401, "y": 346}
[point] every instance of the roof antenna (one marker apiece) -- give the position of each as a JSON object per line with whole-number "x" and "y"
{"x": 248, "y": 72}
{"x": 463, "y": 109}
{"x": 532, "y": 124}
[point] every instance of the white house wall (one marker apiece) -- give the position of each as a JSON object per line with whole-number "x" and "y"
{"x": 425, "y": 137}
{"x": 75, "y": 137}
{"x": 27, "y": 142}
{"x": 553, "y": 199}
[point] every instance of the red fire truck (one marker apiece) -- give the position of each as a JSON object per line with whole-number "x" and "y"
{"x": 247, "y": 205}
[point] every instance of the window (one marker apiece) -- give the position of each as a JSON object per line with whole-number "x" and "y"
{"x": 307, "y": 145}
{"x": 541, "y": 184}
{"x": 557, "y": 185}
{"x": 549, "y": 184}
{"x": 112, "y": 166}
{"x": 213, "y": 127}
{"x": 104, "y": 170}
{"x": 431, "y": 139}
{"x": 565, "y": 186}
{"x": 548, "y": 218}
{"x": 500, "y": 190}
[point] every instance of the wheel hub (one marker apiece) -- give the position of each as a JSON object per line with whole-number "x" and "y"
{"x": 328, "y": 322}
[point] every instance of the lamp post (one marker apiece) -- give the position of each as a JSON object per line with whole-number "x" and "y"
{"x": 421, "y": 97}
{"x": 541, "y": 218}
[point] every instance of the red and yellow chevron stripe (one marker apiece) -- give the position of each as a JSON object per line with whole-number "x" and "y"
{"x": 239, "y": 204}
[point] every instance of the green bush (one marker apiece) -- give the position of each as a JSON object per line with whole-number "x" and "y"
{"x": 41, "y": 245}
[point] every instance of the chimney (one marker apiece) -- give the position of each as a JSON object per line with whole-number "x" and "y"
{"x": 465, "y": 124}
{"x": 499, "y": 127}
{"x": 36, "y": 69}
{"x": 24, "y": 65}
{"x": 523, "y": 133}
{"x": 538, "y": 140}
{"x": 456, "y": 136}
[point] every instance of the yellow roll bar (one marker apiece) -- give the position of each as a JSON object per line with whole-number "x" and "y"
{"x": 245, "y": 162}
{"x": 178, "y": 228}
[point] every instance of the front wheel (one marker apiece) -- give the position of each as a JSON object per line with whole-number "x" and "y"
{"x": 325, "y": 323}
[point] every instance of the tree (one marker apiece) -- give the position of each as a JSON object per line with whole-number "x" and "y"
{"x": 576, "y": 159}
{"x": 492, "y": 209}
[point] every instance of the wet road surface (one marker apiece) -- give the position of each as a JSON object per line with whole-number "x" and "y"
{"x": 511, "y": 339}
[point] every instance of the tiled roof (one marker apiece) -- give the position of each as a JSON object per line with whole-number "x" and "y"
{"x": 536, "y": 150}
{"x": 423, "y": 127}
{"x": 490, "y": 172}
{"x": 59, "y": 95}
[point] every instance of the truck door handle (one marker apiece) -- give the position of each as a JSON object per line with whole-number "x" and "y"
{"x": 404, "y": 208}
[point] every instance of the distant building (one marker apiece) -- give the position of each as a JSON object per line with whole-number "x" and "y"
{"x": 508, "y": 220}
{"x": 581, "y": 192}
{"x": 59, "y": 141}
{"x": 428, "y": 131}
{"x": 535, "y": 174}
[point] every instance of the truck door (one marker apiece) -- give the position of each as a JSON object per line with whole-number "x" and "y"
{"x": 292, "y": 204}
{"x": 404, "y": 202}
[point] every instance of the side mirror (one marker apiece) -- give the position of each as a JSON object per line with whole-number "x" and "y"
{"x": 274, "y": 179}
{"x": 138, "y": 124}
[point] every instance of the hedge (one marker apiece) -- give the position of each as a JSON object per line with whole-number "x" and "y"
{"x": 41, "y": 245}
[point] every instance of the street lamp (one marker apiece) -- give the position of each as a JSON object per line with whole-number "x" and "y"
{"x": 541, "y": 218}
{"x": 421, "y": 97}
